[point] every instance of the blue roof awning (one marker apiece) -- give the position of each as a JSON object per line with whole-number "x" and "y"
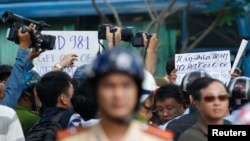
{"x": 64, "y": 8}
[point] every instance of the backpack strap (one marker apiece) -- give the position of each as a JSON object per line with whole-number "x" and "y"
{"x": 34, "y": 133}
{"x": 58, "y": 116}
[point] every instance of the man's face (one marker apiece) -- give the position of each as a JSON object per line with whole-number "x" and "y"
{"x": 214, "y": 101}
{"x": 168, "y": 109}
{"x": 117, "y": 95}
{"x": 2, "y": 91}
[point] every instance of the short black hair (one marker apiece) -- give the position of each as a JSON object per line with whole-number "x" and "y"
{"x": 170, "y": 66}
{"x": 83, "y": 102}
{"x": 202, "y": 83}
{"x": 169, "y": 91}
{"x": 5, "y": 71}
{"x": 51, "y": 86}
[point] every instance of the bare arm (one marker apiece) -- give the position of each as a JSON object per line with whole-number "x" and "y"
{"x": 151, "y": 54}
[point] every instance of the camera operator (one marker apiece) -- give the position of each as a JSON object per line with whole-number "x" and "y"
{"x": 22, "y": 64}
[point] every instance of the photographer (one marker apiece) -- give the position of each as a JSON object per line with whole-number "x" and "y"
{"x": 149, "y": 41}
{"x": 22, "y": 64}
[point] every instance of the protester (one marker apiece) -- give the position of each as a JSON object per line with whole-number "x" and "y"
{"x": 22, "y": 64}
{"x": 27, "y": 108}
{"x": 170, "y": 76}
{"x": 5, "y": 71}
{"x": 55, "y": 91}
{"x": 239, "y": 93}
{"x": 187, "y": 81}
{"x": 212, "y": 100}
{"x": 191, "y": 114}
{"x": 116, "y": 80}
{"x": 147, "y": 98}
{"x": 10, "y": 126}
{"x": 169, "y": 105}
{"x": 80, "y": 74}
{"x": 85, "y": 110}
{"x": 2, "y": 91}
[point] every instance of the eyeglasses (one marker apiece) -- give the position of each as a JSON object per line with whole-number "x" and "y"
{"x": 212, "y": 98}
{"x": 168, "y": 108}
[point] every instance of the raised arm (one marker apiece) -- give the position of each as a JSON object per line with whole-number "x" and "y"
{"x": 22, "y": 64}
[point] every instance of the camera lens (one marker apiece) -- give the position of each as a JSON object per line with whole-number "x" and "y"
{"x": 127, "y": 34}
{"x": 48, "y": 42}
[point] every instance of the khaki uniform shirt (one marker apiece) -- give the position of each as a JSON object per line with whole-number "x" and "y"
{"x": 137, "y": 132}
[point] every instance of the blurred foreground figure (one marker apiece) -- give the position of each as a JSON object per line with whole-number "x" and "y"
{"x": 243, "y": 116}
{"x": 115, "y": 79}
{"x": 11, "y": 129}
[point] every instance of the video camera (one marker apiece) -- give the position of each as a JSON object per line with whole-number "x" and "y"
{"x": 138, "y": 41}
{"x": 38, "y": 40}
{"x": 126, "y": 32}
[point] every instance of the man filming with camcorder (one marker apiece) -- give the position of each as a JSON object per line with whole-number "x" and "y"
{"x": 22, "y": 64}
{"x": 26, "y": 34}
{"x": 38, "y": 39}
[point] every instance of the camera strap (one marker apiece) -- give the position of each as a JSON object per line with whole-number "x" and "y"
{"x": 146, "y": 49}
{"x": 113, "y": 39}
{"x": 99, "y": 51}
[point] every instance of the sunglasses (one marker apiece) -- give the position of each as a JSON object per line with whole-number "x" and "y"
{"x": 212, "y": 98}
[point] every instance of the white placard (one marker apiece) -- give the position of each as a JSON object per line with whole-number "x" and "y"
{"x": 83, "y": 43}
{"x": 216, "y": 63}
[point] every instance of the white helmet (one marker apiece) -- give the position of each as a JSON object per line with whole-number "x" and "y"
{"x": 148, "y": 85}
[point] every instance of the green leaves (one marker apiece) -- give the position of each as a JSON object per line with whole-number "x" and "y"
{"x": 231, "y": 9}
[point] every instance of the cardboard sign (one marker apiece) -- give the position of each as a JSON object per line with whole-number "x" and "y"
{"x": 216, "y": 63}
{"x": 83, "y": 43}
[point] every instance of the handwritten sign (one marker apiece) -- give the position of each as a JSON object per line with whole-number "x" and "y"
{"x": 83, "y": 43}
{"x": 216, "y": 63}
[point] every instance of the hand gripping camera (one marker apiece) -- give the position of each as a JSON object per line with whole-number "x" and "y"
{"x": 138, "y": 41}
{"x": 126, "y": 32}
{"x": 38, "y": 40}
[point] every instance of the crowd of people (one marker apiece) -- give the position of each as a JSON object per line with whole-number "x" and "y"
{"x": 114, "y": 98}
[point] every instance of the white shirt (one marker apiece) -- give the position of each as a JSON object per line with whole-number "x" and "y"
{"x": 10, "y": 127}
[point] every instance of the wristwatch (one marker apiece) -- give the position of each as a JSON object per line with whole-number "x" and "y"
{"x": 58, "y": 66}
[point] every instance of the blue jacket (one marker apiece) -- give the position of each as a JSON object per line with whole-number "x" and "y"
{"x": 16, "y": 79}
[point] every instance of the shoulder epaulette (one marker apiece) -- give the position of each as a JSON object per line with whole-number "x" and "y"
{"x": 165, "y": 134}
{"x": 68, "y": 132}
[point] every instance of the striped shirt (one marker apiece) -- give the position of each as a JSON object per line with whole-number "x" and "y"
{"x": 10, "y": 127}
